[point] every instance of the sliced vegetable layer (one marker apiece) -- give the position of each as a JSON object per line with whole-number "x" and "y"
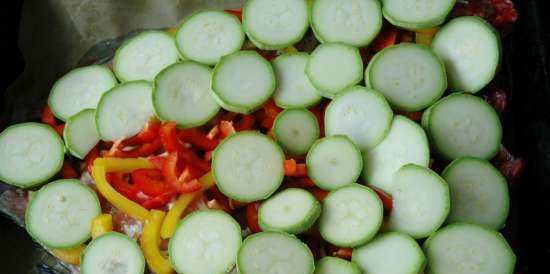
{"x": 182, "y": 94}
{"x": 417, "y": 14}
{"x": 333, "y": 67}
{"x": 464, "y": 125}
{"x": 80, "y": 133}
{"x": 361, "y": 114}
{"x": 390, "y": 252}
{"x": 293, "y": 87}
{"x": 243, "y": 81}
{"x": 296, "y": 130}
{"x": 479, "y": 193}
{"x": 275, "y": 24}
{"x": 274, "y": 252}
{"x": 351, "y": 216}
{"x": 421, "y": 201}
{"x": 208, "y": 35}
{"x": 354, "y": 22}
{"x": 409, "y": 75}
{"x": 124, "y": 110}
{"x": 80, "y": 89}
{"x": 470, "y": 49}
{"x": 205, "y": 241}
{"x": 466, "y": 248}
{"x": 60, "y": 214}
{"x": 335, "y": 265}
{"x": 405, "y": 143}
{"x": 144, "y": 56}
{"x": 248, "y": 166}
{"x": 333, "y": 162}
{"x": 112, "y": 253}
{"x": 293, "y": 210}
{"x": 30, "y": 154}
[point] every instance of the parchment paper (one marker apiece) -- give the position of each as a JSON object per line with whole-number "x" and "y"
{"x": 59, "y": 35}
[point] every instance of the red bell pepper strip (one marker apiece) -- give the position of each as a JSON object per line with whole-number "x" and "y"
{"x": 229, "y": 116}
{"x": 90, "y": 158}
{"x": 48, "y": 117}
{"x": 223, "y": 201}
{"x": 68, "y": 171}
{"x": 159, "y": 201}
{"x": 226, "y": 129}
{"x": 246, "y": 123}
{"x": 59, "y": 129}
{"x": 304, "y": 182}
{"x": 147, "y": 135}
{"x": 318, "y": 193}
{"x": 236, "y": 12}
{"x": 213, "y": 133}
{"x": 340, "y": 252}
{"x": 252, "y": 217}
{"x": 415, "y": 116}
{"x": 157, "y": 161}
{"x": 386, "y": 38}
{"x": 319, "y": 112}
{"x": 121, "y": 185}
{"x": 208, "y": 155}
{"x": 171, "y": 143}
{"x": 293, "y": 169}
{"x": 178, "y": 184}
{"x": 149, "y": 181}
{"x": 386, "y": 199}
{"x": 197, "y": 139}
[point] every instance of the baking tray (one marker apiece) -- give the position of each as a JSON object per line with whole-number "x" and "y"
{"x": 45, "y": 38}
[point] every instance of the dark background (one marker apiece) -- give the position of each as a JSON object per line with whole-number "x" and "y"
{"x": 527, "y": 134}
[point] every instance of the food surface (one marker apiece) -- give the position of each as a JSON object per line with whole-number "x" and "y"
{"x": 294, "y": 136}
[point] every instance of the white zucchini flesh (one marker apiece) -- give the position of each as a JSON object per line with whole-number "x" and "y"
{"x": 421, "y": 201}
{"x": 293, "y": 87}
{"x": 335, "y": 265}
{"x": 30, "y": 154}
{"x": 334, "y": 67}
{"x": 112, "y": 253}
{"x": 471, "y": 51}
{"x": 80, "y": 133}
{"x": 182, "y": 94}
{"x": 464, "y": 125}
{"x": 417, "y": 14}
{"x": 361, "y": 114}
{"x": 248, "y": 166}
{"x": 274, "y": 252}
{"x": 351, "y": 216}
{"x": 60, "y": 214}
{"x": 390, "y": 252}
{"x": 206, "y": 241}
{"x": 296, "y": 129}
{"x": 80, "y": 89}
{"x": 479, "y": 193}
{"x": 144, "y": 56}
{"x": 466, "y": 248}
{"x": 354, "y": 22}
{"x": 206, "y": 36}
{"x": 275, "y": 24}
{"x": 334, "y": 162}
{"x": 410, "y": 76}
{"x": 124, "y": 110}
{"x": 406, "y": 143}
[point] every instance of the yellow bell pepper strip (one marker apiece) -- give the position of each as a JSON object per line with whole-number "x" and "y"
{"x": 71, "y": 255}
{"x": 123, "y": 164}
{"x": 425, "y": 36}
{"x": 290, "y": 49}
{"x": 101, "y": 225}
{"x": 149, "y": 242}
{"x": 127, "y": 206}
{"x": 174, "y": 214}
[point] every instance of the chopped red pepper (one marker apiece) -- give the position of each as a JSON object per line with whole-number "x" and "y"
{"x": 415, "y": 116}
{"x": 386, "y": 199}
{"x": 226, "y": 129}
{"x": 386, "y": 38}
{"x": 195, "y": 138}
{"x": 59, "y": 129}
{"x": 90, "y": 158}
{"x": 159, "y": 201}
{"x": 149, "y": 181}
{"x": 510, "y": 166}
{"x": 182, "y": 184}
{"x": 236, "y": 12}
{"x": 171, "y": 143}
{"x": 68, "y": 171}
{"x": 252, "y": 217}
{"x": 121, "y": 184}
{"x": 223, "y": 201}
{"x": 318, "y": 193}
{"x": 340, "y": 252}
{"x": 319, "y": 112}
{"x": 268, "y": 54}
{"x": 304, "y": 182}
{"x": 208, "y": 155}
{"x": 157, "y": 161}
{"x": 48, "y": 117}
{"x": 213, "y": 133}
{"x": 293, "y": 169}
{"x": 246, "y": 123}
{"x": 229, "y": 116}
{"x": 147, "y": 135}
